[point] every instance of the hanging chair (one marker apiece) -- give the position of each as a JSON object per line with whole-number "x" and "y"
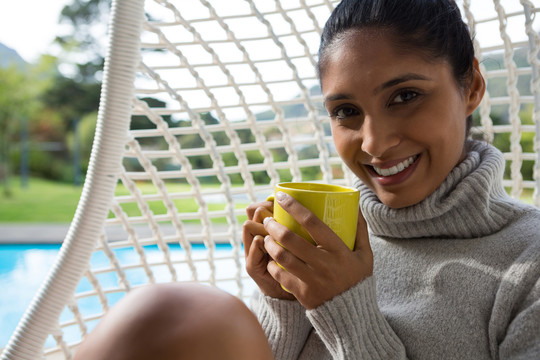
{"x": 205, "y": 106}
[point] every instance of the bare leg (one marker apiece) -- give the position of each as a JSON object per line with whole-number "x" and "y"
{"x": 177, "y": 321}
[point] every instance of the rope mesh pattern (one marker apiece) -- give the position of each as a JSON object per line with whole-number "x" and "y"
{"x": 227, "y": 105}
{"x": 507, "y": 43}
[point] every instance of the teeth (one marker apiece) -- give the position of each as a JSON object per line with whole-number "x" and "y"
{"x": 396, "y": 168}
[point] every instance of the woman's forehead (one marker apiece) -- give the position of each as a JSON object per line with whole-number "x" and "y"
{"x": 371, "y": 47}
{"x": 368, "y": 50}
{"x": 371, "y": 63}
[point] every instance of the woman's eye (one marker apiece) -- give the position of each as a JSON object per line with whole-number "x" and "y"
{"x": 404, "y": 97}
{"x": 345, "y": 112}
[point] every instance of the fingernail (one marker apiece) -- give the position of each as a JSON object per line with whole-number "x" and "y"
{"x": 281, "y": 196}
{"x": 267, "y": 219}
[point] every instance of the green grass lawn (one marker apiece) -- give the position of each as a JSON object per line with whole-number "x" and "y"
{"x": 41, "y": 201}
{"x": 46, "y": 201}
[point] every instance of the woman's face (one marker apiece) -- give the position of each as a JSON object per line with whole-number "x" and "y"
{"x": 398, "y": 121}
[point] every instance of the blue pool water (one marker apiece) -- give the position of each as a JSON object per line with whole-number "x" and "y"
{"x": 24, "y": 267}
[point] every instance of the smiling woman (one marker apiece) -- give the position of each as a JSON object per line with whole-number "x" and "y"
{"x": 438, "y": 240}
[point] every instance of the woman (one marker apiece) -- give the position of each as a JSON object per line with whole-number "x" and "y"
{"x": 450, "y": 265}
{"x": 455, "y": 261}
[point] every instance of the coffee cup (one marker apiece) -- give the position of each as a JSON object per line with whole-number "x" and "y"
{"x": 335, "y": 205}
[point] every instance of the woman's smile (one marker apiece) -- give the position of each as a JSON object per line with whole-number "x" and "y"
{"x": 387, "y": 175}
{"x": 389, "y": 170}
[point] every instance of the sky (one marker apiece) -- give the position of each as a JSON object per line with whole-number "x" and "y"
{"x": 30, "y": 26}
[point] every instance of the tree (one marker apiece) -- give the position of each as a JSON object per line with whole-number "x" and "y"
{"x": 85, "y": 46}
{"x": 19, "y": 90}
{"x": 72, "y": 95}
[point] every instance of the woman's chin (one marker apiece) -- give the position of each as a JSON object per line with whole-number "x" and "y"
{"x": 398, "y": 201}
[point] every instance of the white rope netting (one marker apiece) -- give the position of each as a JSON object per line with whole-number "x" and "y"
{"x": 227, "y": 104}
{"x": 507, "y": 43}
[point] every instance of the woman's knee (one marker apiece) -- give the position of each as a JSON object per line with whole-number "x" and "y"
{"x": 136, "y": 327}
{"x": 216, "y": 324}
{"x": 169, "y": 320}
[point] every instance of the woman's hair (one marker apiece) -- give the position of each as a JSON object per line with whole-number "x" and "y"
{"x": 434, "y": 28}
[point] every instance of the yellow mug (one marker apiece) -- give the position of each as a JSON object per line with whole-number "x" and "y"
{"x": 336, "y": 206}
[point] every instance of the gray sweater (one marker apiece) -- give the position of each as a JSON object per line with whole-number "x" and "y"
{"x": 455, "y": 277}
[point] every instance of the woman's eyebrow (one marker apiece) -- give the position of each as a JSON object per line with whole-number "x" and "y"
{"x": 335, "y": 97}
{"x": 399, "y": 80}
{"x": 392, "y": 82}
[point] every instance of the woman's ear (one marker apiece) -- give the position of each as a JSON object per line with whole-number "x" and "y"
{"x": 477, "y": 89}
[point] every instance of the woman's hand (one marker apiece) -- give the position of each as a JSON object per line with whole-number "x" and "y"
{"x": 256, "y": 256}
{"x": 315, "y": 274}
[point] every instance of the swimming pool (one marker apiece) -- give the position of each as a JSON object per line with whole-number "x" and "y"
{"x": 24, "y": 267}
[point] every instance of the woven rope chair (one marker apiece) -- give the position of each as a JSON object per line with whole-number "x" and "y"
{"x": 205, "y": 106}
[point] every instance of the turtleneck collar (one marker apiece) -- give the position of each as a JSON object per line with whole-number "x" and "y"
{"x": 470, "y": 203}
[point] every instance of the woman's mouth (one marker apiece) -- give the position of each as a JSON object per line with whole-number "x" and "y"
{"x": 396, "y": 168}
{"x": 396, "y": 173}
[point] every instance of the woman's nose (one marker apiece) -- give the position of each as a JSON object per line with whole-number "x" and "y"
{"x": 378, "y": 135}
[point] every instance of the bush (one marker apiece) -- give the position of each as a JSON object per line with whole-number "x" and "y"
{"x": 44, "y": 165}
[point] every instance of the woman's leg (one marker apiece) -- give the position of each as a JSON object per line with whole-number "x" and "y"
{"x": 177, "y": 321}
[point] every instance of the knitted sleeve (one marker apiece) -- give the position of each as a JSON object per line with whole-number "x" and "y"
{"x": 352, "y": 326}
{"x": 285, "y": 324}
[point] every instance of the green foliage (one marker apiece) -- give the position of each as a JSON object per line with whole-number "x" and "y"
{"x": 50, "y": 103}
{"x": 63, "y": 103}
{"x": 18, "y": 102}
{"x": 83, "y": 139}
{"x": 71, "y": 98}
{"x": 82, "y": 16}
{"x": 45, "y": 165}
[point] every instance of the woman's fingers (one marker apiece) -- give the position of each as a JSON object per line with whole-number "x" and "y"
{"x": 257, "y": 265}
{"x": 283, "y": 241}
{"x": 261, "y": 213}
{"x": 252, "y": 209}
{"x": 290, "y": 261}
{"x": 257, "y": 261}
{"x": 256, "y": 254}
{"x": 285, "y": 268}
{"x": 250, "y": 230}
{"x": 256, "y": 214}
{"x": 317, "y": 229}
